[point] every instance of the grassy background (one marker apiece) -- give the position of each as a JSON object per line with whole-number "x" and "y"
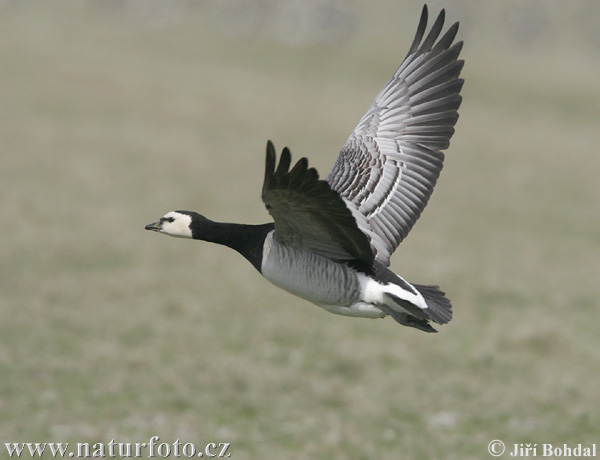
{"x": 113, "y": 113}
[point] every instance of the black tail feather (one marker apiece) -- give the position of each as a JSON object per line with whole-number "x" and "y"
{"x": 408, "y": 320}
{"x": 439, "y": 308}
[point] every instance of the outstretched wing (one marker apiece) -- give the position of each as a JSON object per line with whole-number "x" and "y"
{"x": 389, "y": 165}
{"x": 308, "y": 213}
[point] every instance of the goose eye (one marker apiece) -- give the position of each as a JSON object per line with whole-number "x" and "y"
{"x": 170, "y": 219}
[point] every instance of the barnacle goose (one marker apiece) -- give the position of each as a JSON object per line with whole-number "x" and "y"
{"x": 332, "y": 239}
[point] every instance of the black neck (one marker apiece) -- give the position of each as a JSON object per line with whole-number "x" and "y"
{"x": 246, "y": 239}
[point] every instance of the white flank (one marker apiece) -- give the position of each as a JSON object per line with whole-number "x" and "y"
{"x": 375, "y": 292}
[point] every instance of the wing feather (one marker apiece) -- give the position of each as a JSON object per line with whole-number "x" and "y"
{"x": 309, "y": 214}
{"x": 387, "y": 169}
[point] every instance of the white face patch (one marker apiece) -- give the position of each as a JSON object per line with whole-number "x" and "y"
{"x": 176, "y": 224}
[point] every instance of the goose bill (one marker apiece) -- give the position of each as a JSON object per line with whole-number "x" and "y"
{"x": 155, "y": 226}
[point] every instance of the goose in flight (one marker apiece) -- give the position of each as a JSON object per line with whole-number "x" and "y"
{"x": 331, "y": 240}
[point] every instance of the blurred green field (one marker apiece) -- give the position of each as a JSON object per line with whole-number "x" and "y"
{"x": 113, "y": 113}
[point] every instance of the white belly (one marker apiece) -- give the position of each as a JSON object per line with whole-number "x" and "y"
{"x": 358, "y": 309}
